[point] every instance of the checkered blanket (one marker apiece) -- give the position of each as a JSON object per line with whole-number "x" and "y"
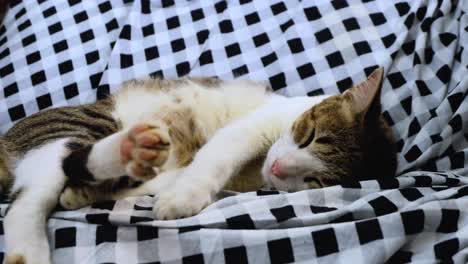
{"x": 67, "y": 52}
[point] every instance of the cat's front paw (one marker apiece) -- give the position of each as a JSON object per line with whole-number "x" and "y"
{"x": 143, "y": 150}
{"x": 181, "y": 202}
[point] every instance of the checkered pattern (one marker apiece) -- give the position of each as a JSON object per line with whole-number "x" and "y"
{"x": 60, "y": 52}
{"x": 416, "y": 217}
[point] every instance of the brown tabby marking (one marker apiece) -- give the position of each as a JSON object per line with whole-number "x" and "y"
{"x": 166, "y": 85}
{"x": 206, "y": 81}
{"x": 355, "y": 144}
{"x": 5, "y": 176}
{"x": 15, "y": 259}
{"x": 186, "y": 137}
{"x": 248, "y": 179}
{"x": 86, "y": 124}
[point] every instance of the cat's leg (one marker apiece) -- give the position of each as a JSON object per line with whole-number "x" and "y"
{"x": 166, "y": 179}
{"x": 216, "y": 162}
{"x": 74, "y": 197}
{"x": 137, "y": 152}
{"x": 38, "y": 183}
{"x": 134, "y": 152}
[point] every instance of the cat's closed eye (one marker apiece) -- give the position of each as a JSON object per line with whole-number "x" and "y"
{"x": 313, "y": 181}
{"x": 324, "y": 140}
{"x": 309, "y": 139}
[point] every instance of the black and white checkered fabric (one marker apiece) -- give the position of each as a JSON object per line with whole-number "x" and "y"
{"x": 55, "y": 53}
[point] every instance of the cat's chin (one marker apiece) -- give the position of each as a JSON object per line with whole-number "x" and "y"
{"x": 291, "y": 184}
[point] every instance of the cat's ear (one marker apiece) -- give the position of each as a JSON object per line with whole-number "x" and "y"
{"x": 365, "y": 97}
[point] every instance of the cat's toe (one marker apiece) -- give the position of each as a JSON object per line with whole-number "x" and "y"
{"x": 140, "y": 171}
{"x": 149, "y": 157}
{"x": 144, "y": 150}
{"x": 149, "y": 136}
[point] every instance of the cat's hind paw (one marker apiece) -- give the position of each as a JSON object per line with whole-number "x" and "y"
{"x": 143, "y": 150}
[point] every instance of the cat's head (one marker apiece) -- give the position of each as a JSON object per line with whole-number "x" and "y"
{"x": 342, "y": 139}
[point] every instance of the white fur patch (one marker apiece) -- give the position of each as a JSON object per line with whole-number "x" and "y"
{"x": 40, "y": 179}
{"x": 104, "y": 161}
{"x": 226, "y": 152}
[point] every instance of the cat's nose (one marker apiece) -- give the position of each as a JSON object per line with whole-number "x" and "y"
{"x": 277, "y": 171}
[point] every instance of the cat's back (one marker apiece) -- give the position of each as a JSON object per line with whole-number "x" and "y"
{"x": 210, "y": 101}
{"x": 85, "y": 123}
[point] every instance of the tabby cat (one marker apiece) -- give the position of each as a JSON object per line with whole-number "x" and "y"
{"x": 185, "y": 139}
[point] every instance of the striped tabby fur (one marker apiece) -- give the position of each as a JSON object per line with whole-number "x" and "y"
{"x": 185, "y": 139}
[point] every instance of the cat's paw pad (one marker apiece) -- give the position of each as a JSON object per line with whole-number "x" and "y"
{"x": 73, "y": 198}
{"x": 181, "y": 203}
{"x": 15, "y": 259}
{"x": 145, "y": 148}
